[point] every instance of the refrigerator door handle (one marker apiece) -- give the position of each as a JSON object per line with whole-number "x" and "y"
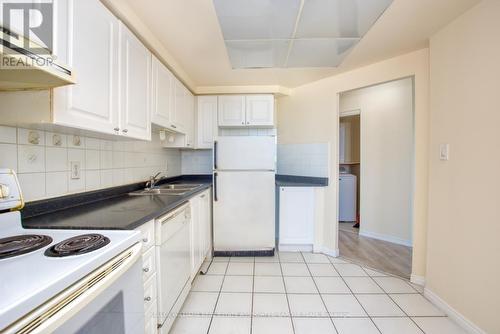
{"x": 215, "y": 188}
{"x": 215, "y": 154}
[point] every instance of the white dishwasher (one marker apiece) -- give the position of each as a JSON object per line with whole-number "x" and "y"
{"x": 173, "y": 247}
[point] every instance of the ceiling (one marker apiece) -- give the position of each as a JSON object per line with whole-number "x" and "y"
{"x": 190, "y": 31}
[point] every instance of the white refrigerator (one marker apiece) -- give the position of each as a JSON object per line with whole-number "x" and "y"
{"x": 244, "y": 195}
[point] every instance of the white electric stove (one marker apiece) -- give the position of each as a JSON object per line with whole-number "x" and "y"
{"x": 66, "y": 281}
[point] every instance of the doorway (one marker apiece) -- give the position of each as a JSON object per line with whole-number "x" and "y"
{"x": 376, "y": 158}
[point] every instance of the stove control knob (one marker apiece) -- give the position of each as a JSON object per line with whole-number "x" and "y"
{"x": 4, "y": 191}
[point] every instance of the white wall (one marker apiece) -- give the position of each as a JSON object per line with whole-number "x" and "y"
{"x": 386, "y": 158}
{"x": 463, "y": 263}
{"x": 43, "y": 169}
{"x": 304, "y": 159}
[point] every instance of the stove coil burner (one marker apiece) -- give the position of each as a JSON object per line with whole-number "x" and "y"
{"x": 77, "y": 245}
{"x": 22, "y": 244}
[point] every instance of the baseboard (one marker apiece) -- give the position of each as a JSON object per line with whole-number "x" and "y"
{"x": 295, "y": 248}
{"x": 419, "y": 280}
{"x": 460, "y": 319}
{"x": 384, "y": 237}
{"x": 327, "y": 251}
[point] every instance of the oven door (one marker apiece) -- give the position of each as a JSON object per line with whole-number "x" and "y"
{"x": 109, "y": 300}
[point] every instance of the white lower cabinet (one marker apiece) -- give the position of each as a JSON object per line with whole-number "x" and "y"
{"x": 200, "y": 230}
{"x": 296, "y": 218}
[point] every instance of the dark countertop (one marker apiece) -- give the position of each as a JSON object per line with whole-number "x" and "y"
{"x": 117, "y": 211}
{"x": 300, "y": 181}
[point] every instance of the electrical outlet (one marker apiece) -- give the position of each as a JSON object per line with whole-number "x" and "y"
{"x": 444, "y": 152}
{"x": 75, "y": 170}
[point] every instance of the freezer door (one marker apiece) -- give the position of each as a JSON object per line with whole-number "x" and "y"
{"x": 244, "y": 205}
{"x": 245, "y": 153}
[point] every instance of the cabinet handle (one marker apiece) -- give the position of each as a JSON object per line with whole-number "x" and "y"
{"x": 173, "y": 126}
{"x": 116, "y": 129}
{"x": 202, "y": 196}
{"x": 125, "y": 130}
{"x": 145, "y": 269}
{"x": 145, "y": 240}
{"x": 248, "y": 122}
{"x": 147, "y": 299}
{"x": 243, "y": 123}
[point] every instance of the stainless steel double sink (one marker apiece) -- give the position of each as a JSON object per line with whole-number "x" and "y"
{"x": 177, "y": 189}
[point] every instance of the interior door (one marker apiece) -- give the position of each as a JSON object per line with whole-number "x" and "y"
{"x": 162, "y": 94}
{"x": 231, "y": 110}
{"x": 135, "y": 81}
{"x": 87, "y": 40}
{"x": 244, "y": 216}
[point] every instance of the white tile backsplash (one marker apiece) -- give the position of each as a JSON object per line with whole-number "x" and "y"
{"x": 197, "y": 162}
{"x": 44, "y": 168}
{"x": 304, "y": 159}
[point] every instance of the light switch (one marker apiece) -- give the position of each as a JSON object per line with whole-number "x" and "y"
{"x": 444, "y": 152}
{"x": 75, "y": 169}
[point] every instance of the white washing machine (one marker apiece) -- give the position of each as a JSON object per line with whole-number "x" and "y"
{"x": 347, "y": 197}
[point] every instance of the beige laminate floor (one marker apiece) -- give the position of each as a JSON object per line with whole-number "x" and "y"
{"x": 305, "y": 293}
{"x": 386, "y": 256}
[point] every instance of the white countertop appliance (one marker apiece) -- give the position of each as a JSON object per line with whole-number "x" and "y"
{"x": 244, "y": 195}
{"x": 66, "y": 281}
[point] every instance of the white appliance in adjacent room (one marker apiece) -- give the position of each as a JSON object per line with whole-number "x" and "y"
{"x": 244, "y": 194}
{"x": 66, "y": 281}
{"x": 347, "y": 197}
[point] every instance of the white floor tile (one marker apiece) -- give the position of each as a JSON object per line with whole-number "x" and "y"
{"x": 417, "y": 306}
{"x": 331, "y": 285}
{"x": 313, "y": 326}
{"x": 307, "y": 306}
{"x": 272, "y": 325}
{"x": 295, "y": 269}
{"x": 300, "y": 285}
{"x": 355, "y": 326}
{"x": 438, "y": 326}
{"x": 268, "y": 284}
{"x": 244, "y": 259}
{"x": 336, "y": 260}
{"x": 200, "y": 303}
{"x": 191, "y": 325}
{"x": 217, "y": 268}
{"x": 379, "y": 305}
{"x": 270, "y": 305}
{"x": 236, "y": 268}
{"x": 349, "y": 269}
{"x": 267, "y": 269}
{"x": 221, "y": 258}
{"x": 342, "y": 306}
{"x": 315, "y": 258}
{"x": 207, "y": 283}
{"x": 230, "y": 325}
{"x": 290, "y": 257}
{"x": 374, "y": 273}
{"x": 267, "y": 259}
{"x": 234, "y": 304}
{"x": 419, "y": 288}
{"x": 322, "y": 269}
{"x": 394, "y": 285}
{"x": 362, "y": 285}
{"x": 397, "y": 326}
{"x": 237, "y": 284}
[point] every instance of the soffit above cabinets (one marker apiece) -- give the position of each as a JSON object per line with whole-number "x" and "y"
{"x": 294, "y": 33}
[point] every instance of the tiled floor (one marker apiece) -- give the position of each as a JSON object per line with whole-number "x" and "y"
{"x": 305, "y": 293}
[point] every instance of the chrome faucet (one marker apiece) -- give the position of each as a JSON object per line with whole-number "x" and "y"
{"x": 153, "y": 180}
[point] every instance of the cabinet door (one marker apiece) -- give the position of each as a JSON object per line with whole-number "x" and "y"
{"x": 206, "y": 119}
{"x": 231, "y": 110}
{"x": 206, "y": 224}
{"x": 179, "y": 106}
{"x": 162, "y": 94}
{"x": 296, "y": 215}
{"x": 260, "y": 110}
{"x": 135, "y": 86}
{"x": 195, "y": 235}
{"x": 189, "y": 119}
{"x": 87, "y": 40}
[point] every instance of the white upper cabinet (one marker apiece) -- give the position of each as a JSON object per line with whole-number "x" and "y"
{"x": 87, "y": 40}
{"x": 231, "y": 111}
{"x": 179, "y": 106}
{"x": 246, "y": 111}
{"x": 135, "y": 86}
{"x": 260, "y": 110}
{"x": 190, "y": 119}
{"x": 206, "y": 121}
{"x": 162, "y": 95}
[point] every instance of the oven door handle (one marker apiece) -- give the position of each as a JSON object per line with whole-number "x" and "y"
{"x": 51, "y": 315}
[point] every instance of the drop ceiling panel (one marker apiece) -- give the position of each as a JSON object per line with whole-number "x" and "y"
{"x": 339, "y": 18}
{"x": 257, "y": 19}
{"x": 323, "y": 52}
{"x": 257, "y": 54}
